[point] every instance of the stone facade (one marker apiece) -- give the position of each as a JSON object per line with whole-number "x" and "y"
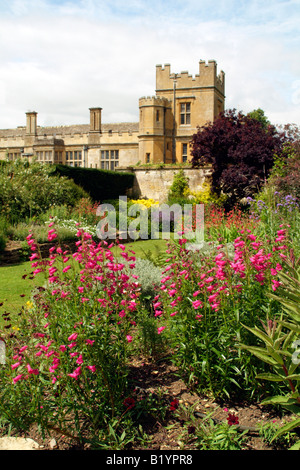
{"x": 166, "y": 124}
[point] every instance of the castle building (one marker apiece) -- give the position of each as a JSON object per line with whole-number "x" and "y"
{"x": 166, "y": 124}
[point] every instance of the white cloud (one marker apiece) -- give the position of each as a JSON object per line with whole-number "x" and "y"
{"x": 62, "y": 57}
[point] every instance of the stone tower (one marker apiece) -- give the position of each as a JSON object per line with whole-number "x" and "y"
{"x": 188, "y": 102}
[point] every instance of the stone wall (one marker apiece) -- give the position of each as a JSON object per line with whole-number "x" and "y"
{"x": 156, "y": 182}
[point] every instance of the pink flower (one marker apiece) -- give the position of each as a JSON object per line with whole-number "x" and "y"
{"x": 79, "y": 360}
{"x": 197, "y": 304}
{"x": 15, "y": 365}
{"x": 129, "y": 338}
{"x": 172, "y": 292}
{"x": 17, "y": 378}
{"x": 73, "y": 337}
{"x": 76, "y": 373}
{"x": 157, "y": 313}
{"x": 90, "y": 341}
{"x": 37, "y": 271}
{"x": 160, "y": 329}
{"x": 32, "y": 371}
{"x": 92, "y": 368}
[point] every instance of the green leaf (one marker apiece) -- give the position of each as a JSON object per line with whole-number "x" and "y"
{"x": 279, "y": 400}
{"x": 293, "y": 377}
{"x": 260, "y": 334}
{"x": 286, "y": 428}
{"x": 291, "y": 326}
{"x": 261, "y": 354}
{"x": 295, "y": 446}
{"x": 271, "y": 377}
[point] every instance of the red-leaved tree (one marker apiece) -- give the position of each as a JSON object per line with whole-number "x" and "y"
{"x": 240, "y": 151}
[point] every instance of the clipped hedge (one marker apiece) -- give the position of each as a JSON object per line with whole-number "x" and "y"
{"x": 100, "y": 184}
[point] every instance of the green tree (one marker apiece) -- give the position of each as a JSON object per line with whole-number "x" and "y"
{"x": 259, "y": 115}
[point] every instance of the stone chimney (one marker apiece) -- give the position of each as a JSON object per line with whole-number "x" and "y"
{"x": 95, "y": 120}
{"x": 31, "y": 123}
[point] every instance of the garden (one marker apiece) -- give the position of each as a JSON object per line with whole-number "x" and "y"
{"x": 155, "y": 344}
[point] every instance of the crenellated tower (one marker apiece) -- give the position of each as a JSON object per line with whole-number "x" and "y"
{"x": 155, "y": 129}
{"x": 190, "y": 102}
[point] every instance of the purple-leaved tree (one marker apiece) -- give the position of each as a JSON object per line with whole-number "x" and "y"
{"x": 240, "y": 150}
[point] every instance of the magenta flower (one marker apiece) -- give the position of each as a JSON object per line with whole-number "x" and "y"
{"x": 197, "y": 303}
{"x": 76, "y": 373}
{"x": 17, "y": 378}
{"x": 160, "y": 329}
{"x": 15, "y": 365}
{"x": 31, "y": 370}
{"x": 73, "y": 337}
{"x": 90, "y": 341}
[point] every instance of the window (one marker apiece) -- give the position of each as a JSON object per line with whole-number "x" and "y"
{"x": 184, "y": 152}
{"x": 109, "y": 159}
{"x": 147, "y": 157}
{"x": 45, "y": 156}
{"x": 157, "y": 115}
{"x": 185, "y": 113}
{"x": 74, "y": 158}
{"x": 58, "y": 157}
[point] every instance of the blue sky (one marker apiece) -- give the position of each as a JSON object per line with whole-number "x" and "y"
{"x": 60, "y": 57}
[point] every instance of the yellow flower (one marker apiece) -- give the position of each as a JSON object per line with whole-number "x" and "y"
{"x": 147, "y": 203}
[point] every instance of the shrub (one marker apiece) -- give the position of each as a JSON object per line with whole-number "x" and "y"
{"x": 179, "y": 185}
{"x": 99, "y": 184}
{"x": 240, "y": 151}
{"x": 28, "y": 189}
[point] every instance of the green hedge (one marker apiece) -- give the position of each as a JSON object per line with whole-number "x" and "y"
{"x": 100, "y": 184}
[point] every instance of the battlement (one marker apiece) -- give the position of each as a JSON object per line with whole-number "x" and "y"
{"x": 154, "y": 101}
{"x": 207, "y": 77}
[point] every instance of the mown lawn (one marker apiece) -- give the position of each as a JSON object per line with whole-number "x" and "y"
{"x": 15, "y": 288}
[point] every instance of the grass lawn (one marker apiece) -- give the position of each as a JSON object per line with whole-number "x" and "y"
{"x": 13, "y": 286}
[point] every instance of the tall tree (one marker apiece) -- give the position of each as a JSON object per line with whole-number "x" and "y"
{"x": 240, "y": 150}
{"x": 260, "y": 116}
